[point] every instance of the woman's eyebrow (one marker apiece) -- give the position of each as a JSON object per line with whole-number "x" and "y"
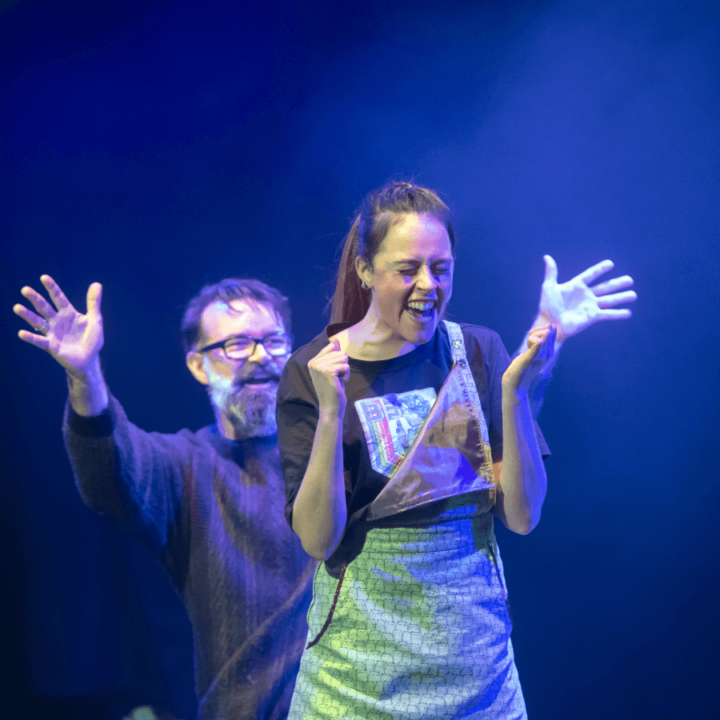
{"x": 414, "y": 261}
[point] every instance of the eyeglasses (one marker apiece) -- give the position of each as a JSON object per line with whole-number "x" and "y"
{"x": 242, "y": 347}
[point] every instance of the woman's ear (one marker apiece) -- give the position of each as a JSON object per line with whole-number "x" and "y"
{"x": 364, "y": 271}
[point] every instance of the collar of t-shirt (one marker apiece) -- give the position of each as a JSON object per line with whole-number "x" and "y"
{"x": 374, "y": 366}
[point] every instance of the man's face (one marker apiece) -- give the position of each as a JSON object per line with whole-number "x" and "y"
{"x": 242, "y": 392}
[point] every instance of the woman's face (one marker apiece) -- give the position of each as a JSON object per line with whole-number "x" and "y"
{"x": 411, "y": 277}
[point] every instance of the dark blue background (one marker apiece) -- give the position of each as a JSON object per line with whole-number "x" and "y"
{"x": 157, "y": 146}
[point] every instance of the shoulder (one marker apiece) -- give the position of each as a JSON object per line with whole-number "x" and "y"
{"x": 479, "y": 332}
{"x": 307, "y": 352}
{"x": 483, "y": 340}
{"x": 295, "y": 381}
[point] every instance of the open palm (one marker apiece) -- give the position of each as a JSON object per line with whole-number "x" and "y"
{"x": 72, "y": 338}
{"x": 574, "y": 305}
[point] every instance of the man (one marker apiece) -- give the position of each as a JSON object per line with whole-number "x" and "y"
{"x": 209, "y": 504}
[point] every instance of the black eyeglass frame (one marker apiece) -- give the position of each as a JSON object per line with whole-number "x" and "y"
{"x": 255, "y": 341}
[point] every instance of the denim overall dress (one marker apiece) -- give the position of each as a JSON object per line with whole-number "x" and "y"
{"x": 418, "y": 627}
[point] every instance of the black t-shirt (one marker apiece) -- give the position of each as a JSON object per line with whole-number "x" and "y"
{"x": 404, "y": 389}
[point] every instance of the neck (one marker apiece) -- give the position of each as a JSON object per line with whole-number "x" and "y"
{"x": 373, "y": 339}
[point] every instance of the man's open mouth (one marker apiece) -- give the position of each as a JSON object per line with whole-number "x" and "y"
{"x": 258, "y": 380}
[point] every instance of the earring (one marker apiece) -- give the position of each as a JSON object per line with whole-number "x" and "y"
{"x": 363, "y": 285}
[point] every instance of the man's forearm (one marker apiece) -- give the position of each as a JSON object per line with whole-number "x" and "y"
{"x": 88, "y": 391}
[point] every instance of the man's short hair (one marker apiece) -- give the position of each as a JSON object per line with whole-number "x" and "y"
{"x": 228, "y": 290}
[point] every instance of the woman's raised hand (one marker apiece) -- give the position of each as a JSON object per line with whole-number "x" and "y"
{"x": 526, "y": 366}
{"x": 574, "y": 306}
{"x": 73, "y": 339}
{"x": 329, "y": 370}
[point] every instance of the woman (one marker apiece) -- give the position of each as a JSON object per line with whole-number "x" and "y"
{"x": 402, "y": 435}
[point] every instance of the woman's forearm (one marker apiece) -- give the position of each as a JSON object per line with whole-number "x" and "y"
{"x": 320, "y": 511}
{"x": 522, "y": 484}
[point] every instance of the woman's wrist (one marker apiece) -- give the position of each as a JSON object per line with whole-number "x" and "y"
{"x": 512, "y": 393}
{"x": 331, "y": 415}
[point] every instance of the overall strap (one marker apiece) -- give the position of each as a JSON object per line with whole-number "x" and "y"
{"x": 459, "y": 356}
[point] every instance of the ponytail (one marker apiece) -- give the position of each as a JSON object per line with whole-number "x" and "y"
{"x": 349, "y": 302}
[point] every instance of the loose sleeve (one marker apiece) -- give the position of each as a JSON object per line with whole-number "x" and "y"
{"x": 135, "y": 477}
{"x": 297, "y": 418}
{"x": 536, "y": 391}
{"x": 489, "y": 360}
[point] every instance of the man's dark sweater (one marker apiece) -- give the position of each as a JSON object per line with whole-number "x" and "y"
{"x": 211, "y": 510}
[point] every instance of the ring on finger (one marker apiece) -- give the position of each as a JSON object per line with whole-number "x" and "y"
{"x": 44, "y": 328}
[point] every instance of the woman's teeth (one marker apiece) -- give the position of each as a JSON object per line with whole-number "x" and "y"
{"x": 421, "y": 309}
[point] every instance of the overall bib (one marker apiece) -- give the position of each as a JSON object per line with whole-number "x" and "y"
{"x": 418, "y": 627}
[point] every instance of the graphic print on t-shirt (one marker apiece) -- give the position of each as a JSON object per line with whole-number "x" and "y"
{"x": 391, "y": 423}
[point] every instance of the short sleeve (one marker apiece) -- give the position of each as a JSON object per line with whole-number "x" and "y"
{"x": 297, "y": 418}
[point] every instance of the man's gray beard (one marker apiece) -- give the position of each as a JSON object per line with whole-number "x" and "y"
{"x": 251, "y": 411}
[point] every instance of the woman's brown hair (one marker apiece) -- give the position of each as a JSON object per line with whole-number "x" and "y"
{"x": 350, "y": 301}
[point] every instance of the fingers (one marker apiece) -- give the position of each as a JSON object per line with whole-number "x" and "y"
{"x": 56, "y": 294}
{"x": 34, "y": 321}
{"x": 614, "y": 314}
{"x": 39, "y": 341}
{"x": 548, "y": 349}
{"x": 551, "y": 270}
{"x": 341, "y": 363}
{"x": 613, "y": 285}
{"x": 333, "y": 346}
{"x": 537, "y": 334}
{"x": 94, "y": 296}
{"x": 541, "y": 342}
{"x": 332, "y": 361}
{"x": 594, "y": 272}
{"x": 609, "y": 301}
{"x": 44, "y": 308}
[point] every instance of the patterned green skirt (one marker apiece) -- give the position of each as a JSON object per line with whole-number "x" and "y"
{"x": 420, "y": 629}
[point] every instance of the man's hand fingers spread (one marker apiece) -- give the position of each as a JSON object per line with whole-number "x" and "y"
{"x": 35, "y": 321}
{"x": 608, "y": 301}
{"x": 94, "y": 296}
{"x": 56, "y": 294}
{"x": 594, "y": 272}
{"x": 550, "y": 269}
{"x": 38, "y": 302}
{"x": 613, "y": 285}
{"x": 614, "y": 314}
{"x": 39, "y": 341}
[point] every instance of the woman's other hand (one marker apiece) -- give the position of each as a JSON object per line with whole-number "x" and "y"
{"x": 526, "y": 366}
{"x": 329, "y": 370}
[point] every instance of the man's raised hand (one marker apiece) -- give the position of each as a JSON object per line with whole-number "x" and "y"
{"x": 73, "y": 339}
{"x": 574, "y": 306}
